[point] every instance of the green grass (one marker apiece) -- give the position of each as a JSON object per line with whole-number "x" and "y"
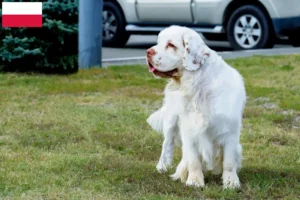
{"x": 84, "y": 136}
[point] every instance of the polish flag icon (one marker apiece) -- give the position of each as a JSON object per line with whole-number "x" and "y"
{"x": 22, "y": 14}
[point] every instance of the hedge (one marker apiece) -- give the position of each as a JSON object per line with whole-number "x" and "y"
{"x": 55, "y": 45}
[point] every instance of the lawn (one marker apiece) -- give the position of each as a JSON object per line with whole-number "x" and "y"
{"x": 85, "y": 136}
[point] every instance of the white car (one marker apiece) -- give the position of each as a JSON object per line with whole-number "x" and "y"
{"x": 246, "y": 24}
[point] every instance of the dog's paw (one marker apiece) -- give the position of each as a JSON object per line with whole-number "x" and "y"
{"x": 162, "y": 167}
{"x": 195, "y": 182}
{"x": 231, "y": 184}
{"x": 182, "y": 176}
{"x": 231, "y": 181}
{"x": 181, "y": 172}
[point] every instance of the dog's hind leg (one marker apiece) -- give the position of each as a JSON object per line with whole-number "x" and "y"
{"x": 231, "y": 164}
{"x": 181, "y": 172}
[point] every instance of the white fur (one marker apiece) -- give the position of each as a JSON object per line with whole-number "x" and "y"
{"x": 202, "y": 109}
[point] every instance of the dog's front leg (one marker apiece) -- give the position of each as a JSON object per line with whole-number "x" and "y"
{"x": 170, "y": 131}
{"x": 191, "y": 128}
{"x": 194, "y": 167}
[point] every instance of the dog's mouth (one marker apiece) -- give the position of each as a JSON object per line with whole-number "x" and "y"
{"x": 151, "y": 68}
{"x": 167, "y": 74}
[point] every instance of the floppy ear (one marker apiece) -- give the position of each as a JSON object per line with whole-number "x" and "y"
{"x": 195, "y": 53}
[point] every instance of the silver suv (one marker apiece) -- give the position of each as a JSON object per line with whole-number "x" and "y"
{"x": 246, "y": 24}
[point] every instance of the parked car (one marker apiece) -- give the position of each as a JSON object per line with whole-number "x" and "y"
{"x": 246, "y": 24}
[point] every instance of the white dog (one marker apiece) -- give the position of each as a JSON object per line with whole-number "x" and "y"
{"x": 202, "y": 110}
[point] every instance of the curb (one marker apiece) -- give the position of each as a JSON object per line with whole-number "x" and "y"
{"x": 224, "y": 54}
{"x": 259, "y": 52}
{"x": 124, "y": 61}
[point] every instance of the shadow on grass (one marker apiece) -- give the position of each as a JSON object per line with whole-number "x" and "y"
{"x": 257, "y": 183}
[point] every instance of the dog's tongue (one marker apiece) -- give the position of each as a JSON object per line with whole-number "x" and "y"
{"x": 151, "y": 69}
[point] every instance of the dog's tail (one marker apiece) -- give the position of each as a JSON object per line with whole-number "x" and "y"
{"x": 156, "y": 121}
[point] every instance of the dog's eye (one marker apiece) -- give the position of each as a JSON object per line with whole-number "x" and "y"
{"x": 171, "y": 45}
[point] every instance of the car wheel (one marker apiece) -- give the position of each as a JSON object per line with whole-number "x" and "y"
{"x": 248, "y": 28}
{"x": 114, "y": 33}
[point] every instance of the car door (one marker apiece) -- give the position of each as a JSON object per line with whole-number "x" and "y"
{"x": 209, "y": 12}
{"x": 164, "y": 11}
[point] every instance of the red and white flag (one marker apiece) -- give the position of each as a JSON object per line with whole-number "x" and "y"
{"x": 22, "y": 14}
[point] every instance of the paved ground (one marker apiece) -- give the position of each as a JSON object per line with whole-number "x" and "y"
{"x": 134, "y": 51}
{"x": 137, "y": 45}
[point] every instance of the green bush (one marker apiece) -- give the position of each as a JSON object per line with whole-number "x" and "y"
{"x": 55, "y": 45}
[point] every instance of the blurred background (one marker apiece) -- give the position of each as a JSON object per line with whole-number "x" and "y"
{"x": 131, "y": 26}
{"x": 226, "y": 25}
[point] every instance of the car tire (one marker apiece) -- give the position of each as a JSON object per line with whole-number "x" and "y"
{"x": 249, "y": 28}
{"x": 114, "y": 33}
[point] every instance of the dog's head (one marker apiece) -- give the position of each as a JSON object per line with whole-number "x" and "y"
{"x": 178, "y": 49}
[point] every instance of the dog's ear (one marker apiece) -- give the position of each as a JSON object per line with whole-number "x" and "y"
{"x": 195, "y": 53}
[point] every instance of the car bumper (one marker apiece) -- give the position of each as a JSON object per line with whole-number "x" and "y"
{"x": 286, "y": 26}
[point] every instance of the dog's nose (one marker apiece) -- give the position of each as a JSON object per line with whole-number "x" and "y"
{"x": 150, "y": 52}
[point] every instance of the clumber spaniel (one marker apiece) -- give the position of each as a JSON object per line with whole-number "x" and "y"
{"x": 202, "y": 109}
